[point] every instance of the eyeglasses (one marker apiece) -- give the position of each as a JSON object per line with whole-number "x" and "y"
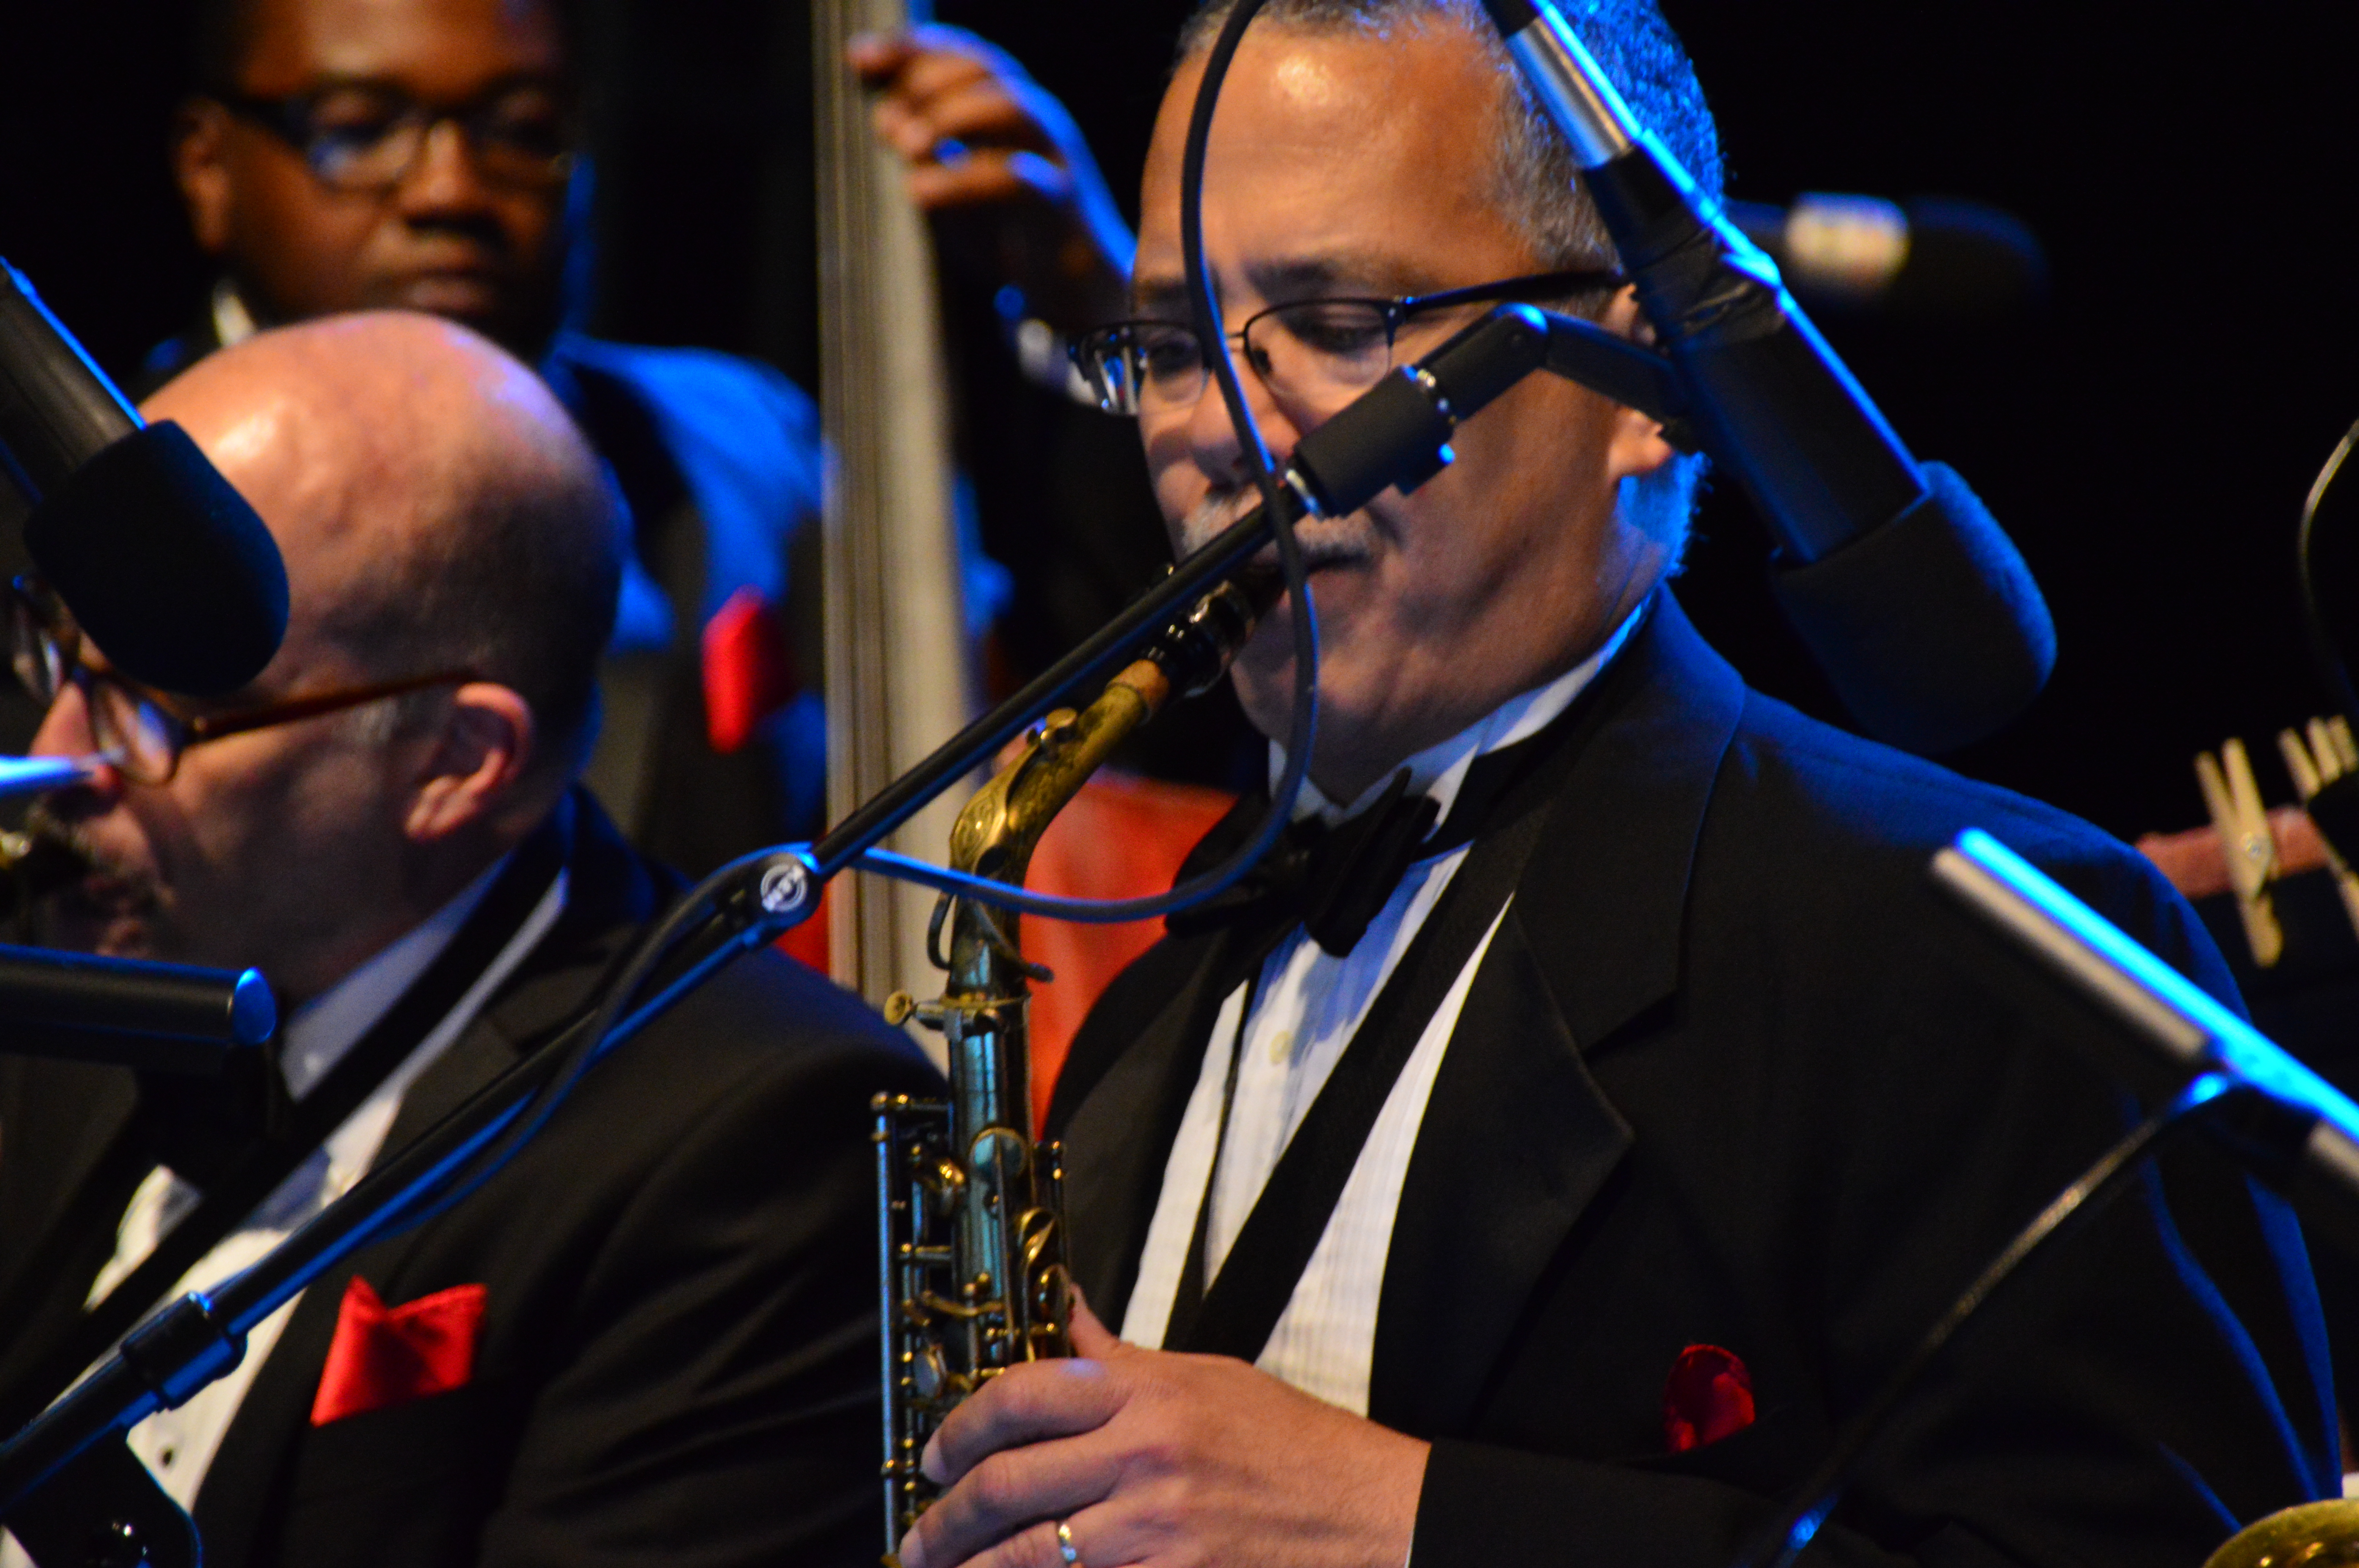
{"x": 131, "y": 727}
{"x": 364, "y": 139}
{"x": 1321, "y": 353}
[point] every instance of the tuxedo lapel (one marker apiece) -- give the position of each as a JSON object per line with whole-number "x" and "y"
{"x": 241, "y": 1489}
{"x": 1517, "y": 1140}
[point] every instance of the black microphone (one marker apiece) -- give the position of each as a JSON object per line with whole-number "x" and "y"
{"x": 131, "y": 1012}
{"x": 1909, "y": 595}
{"x": 163, "y": 564}
{"x": 1927, "y": 259}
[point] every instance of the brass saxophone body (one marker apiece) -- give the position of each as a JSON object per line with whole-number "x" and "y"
{"x": 970, "y": 1206}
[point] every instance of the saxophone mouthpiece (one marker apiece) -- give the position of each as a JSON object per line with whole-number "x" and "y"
{"x": 1196, "y": 650}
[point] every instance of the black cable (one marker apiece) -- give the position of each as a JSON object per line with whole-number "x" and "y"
{"x": 1778, "y": 1543}
{"x": 596, "y": 1031}
{"x": 1212, "y": 335}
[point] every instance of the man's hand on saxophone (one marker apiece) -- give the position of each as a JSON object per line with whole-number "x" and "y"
{"x": 1150, "y": 1458}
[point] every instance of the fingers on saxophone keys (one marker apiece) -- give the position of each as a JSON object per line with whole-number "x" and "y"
{"x": 1026, "y": 1404}
{"x": 997, "y": 1509}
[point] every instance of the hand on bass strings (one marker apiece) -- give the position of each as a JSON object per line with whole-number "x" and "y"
{"x": 1160, "y": 1459}
{"x": 1003, "y": 168}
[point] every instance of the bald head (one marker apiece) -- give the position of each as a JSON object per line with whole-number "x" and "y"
{"x": 437, "y": 508}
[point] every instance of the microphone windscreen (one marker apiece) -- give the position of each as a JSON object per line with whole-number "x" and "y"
{"x": 165, "y": 566}
{"x": 1930, "y": 627}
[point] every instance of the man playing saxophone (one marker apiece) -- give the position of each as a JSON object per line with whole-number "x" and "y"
{"x": 1554, "y": 1182}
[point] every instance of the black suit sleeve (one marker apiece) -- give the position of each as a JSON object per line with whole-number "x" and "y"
{"x": 712, "y": 1397}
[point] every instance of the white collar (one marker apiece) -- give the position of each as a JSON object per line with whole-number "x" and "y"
{"x": 325, "y": 1029}
{"x": 1441, "y": 769}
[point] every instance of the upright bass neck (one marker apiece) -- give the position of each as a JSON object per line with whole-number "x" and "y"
{"x": 895, "y": 644}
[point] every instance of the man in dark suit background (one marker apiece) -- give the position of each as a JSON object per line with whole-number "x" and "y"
{"x": 1567, "y": 1196}
{"x": 348, "y": 154}
{"x": 651, "y": 1338}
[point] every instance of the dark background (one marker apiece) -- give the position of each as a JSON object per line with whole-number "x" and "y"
{"x": 2147, "y": 436}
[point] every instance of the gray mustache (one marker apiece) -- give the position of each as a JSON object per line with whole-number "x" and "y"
{"x": 1325, "y": 541}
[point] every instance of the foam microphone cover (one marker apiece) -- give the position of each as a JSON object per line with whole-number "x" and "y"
{"x": 1930, "y": 627}
{"x": 165, "y": 566}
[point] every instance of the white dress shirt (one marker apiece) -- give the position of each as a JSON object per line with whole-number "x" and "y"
{"x": 1306, "y": 1007}
{"x": 178, "y": 1445}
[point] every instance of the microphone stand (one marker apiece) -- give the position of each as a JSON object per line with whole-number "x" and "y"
{"x": 165, "y": 1019}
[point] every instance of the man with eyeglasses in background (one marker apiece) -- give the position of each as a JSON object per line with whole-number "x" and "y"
{"x": 346, "y": 154}
{"x": 1583, "y": 1113}
{"x": 650, "y": 1338}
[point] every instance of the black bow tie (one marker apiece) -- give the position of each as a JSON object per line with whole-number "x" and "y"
{"x": 1332, "y": 881}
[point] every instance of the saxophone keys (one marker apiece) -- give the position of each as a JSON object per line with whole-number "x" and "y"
{"x": 928, "y": 1373}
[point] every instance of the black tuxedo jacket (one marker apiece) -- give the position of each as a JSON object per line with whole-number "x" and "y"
{"x": 1727, "y": 1076}
{"x": 677, "y": 1362}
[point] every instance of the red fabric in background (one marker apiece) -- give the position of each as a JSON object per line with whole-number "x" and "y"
{"x": 389, "y": 1356}
{"x": 749, "y": 670}
{"x": 1121, "y": 837}
{"x": 1708, "y": 1396}
{"x": 806, "y": 943}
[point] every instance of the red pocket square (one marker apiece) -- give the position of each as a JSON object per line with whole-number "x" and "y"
{"x": 1708, "y": 1396}
{"x": 389, "y": 1356}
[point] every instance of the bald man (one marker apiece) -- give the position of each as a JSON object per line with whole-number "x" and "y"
{"x": 650, "y": 1336}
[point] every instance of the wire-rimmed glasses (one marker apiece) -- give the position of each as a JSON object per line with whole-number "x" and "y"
{"x": 1319, "y": 352}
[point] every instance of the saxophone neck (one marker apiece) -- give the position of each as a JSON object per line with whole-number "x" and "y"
{"x": 1001, "y": 826}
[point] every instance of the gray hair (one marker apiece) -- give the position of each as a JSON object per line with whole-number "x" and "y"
{"x": 1536, "y": 179}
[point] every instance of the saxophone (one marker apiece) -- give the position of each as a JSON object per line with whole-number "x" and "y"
{"x": 971, "y": 1207}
